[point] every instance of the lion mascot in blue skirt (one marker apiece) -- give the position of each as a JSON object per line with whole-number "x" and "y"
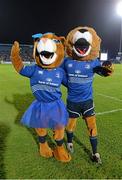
{"x": 46, "y": 77}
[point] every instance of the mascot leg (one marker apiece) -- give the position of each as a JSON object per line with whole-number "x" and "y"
{"x": 92, "y": 130}
{"x": 59, "y": 152}
{"x": 70, "y": 131}
{"x": 45, "y": 150}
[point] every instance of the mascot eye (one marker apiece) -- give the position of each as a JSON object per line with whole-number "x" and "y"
{"x": 87, "y": 36}
{"x": 56, "y": 40}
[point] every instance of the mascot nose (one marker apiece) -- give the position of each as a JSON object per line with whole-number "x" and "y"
{"x": 46, "y": 44}
{"x": 44, "y": 40}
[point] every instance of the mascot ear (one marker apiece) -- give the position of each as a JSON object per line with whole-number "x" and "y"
{"x": 34, "y": 48}
{"x": 63, "y": 40}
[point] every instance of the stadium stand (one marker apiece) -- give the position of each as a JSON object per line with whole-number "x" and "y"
{"x": 26, "y": 53}
{"x": 25, "y": 50}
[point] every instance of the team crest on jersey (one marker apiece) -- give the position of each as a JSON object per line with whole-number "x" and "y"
{"x": 49, "y": 79}
{"x": 40, "y": 72}
{"x": 70, "y": 65}
{"x": 77, "y": 71}
{"x": 87, "y": 66}
{"x": 57, "y": 75}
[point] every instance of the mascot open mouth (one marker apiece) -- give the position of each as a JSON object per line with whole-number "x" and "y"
{"x": 47, "y": 54}
{"x": 47, "y": 58}
{"x": 46, "y": 50}
{"x": 82, "y": 43}
{"x": 81, "y": 46}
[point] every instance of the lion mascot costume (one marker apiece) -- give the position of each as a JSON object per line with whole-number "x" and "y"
{"x": 82, "y": 48}
{"x": 48, "y": 110}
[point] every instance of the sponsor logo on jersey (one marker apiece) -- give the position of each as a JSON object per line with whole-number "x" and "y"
{"x": 70, "y": 65}
{"x": 57, "y": 75}
{"x": 87, "y": 66}
{"x": 49, "y": 79}
{"x": 40, "y": 72}
{"x": 77, "y": 71}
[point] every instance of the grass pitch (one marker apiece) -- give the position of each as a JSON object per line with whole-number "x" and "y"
{"x": 19, "y": 157}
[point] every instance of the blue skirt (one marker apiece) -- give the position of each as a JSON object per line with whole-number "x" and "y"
{"x": 46, "y": 115}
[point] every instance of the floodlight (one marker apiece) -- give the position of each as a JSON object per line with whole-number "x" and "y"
{"x": 119, "y": 8}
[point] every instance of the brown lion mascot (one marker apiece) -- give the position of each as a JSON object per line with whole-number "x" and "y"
{"x": 46, "y": 77}
{"x": 80, "y": 65}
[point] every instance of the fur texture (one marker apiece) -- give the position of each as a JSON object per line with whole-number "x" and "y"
{"x": 59, "y": 51}
{"x": 95, "y": 45}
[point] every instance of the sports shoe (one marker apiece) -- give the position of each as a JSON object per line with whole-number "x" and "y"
{"x": 70, "y": 147}
{"x": 96, "y": 158}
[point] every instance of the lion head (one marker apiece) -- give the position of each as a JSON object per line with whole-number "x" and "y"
{"x": 48, "y": 50}
{"x": 83, "y": 43}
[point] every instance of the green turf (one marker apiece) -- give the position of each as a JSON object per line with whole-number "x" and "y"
{"x": 19, "y": 158}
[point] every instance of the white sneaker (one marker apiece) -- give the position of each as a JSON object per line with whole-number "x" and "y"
{"x": 96, "y": 158}
{"x": 70, "y": 147}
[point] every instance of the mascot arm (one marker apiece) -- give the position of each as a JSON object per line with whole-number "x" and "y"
{"x": 18, "y": 62}
{"x": 64, "y": 79}
{"x": 27, "y": 71}
{"x": 105, "y": 70}
{"x": 15, "y": 57}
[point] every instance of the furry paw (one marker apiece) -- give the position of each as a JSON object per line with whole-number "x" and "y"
{"x": 45, "y": 150}
{"x": 15, "y": 49}
{"x": 61, "y": 154}
{"x": 108, "y": 67}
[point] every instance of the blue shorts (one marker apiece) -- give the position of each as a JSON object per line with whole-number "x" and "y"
{"x": 76, "y": 109}
{"x": 46, "y": 115}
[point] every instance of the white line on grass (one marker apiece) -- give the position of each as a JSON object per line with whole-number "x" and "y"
{"x": 108, "y": 112}
{"x": 110, "y": 97}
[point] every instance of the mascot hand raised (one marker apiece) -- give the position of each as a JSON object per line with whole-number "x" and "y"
{"x": 15, "y": 57}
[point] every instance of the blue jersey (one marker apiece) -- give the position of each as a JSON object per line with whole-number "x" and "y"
{"x": 45, "y": 84}
{"x": 80, "y": 78}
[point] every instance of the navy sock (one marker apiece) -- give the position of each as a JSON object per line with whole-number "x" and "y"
{"x": 42, "y": 139}
{"x": 59, "y": 142}
{"x": 93, "y": 141}
{"x": 69, "y": 137}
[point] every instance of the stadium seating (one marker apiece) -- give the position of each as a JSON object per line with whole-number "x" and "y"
{"x": 26, "y": 53}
